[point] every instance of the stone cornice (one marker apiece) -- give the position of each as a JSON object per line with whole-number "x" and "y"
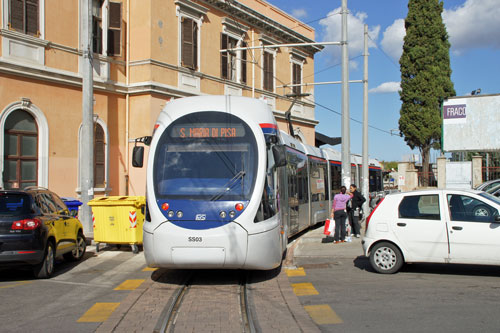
{"x": 269, "y": 26}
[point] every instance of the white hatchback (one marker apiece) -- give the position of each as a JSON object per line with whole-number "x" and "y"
{"x": 439, "y": 226}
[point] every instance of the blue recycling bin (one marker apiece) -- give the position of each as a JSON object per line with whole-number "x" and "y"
{"x": 73, "y": 205}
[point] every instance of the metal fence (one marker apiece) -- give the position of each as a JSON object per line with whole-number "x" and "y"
{"x": 429, "y": 181}
{"x": 490, "y": 173}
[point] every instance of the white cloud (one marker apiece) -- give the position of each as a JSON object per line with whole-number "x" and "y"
{"x": 393, "y": 39}
{"x": 299, "y": 13}
{"x": 386, "y": 87}
{"x": 474, "y": 24}
{"x": 355, "y": 34}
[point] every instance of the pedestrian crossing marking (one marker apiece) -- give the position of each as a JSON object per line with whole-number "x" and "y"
{"x": 299, "y": 271}
{"x": 98, "y": 313}
{"x": 304, "y": 289}
{"x": 149, "y": 269}
{"x": 130, "y": 284}
{"x": 323, "y": 314}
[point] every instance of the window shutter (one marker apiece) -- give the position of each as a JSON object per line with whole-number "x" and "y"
{"x": 187, "y": 43}
{"x": 244, "y": 63}
{"x": 268, "y": 71}
{"x": 195, "y": 46}
{"x": 296, "y": 78}
{"x": 17, "y": 15}
{"x": 223, "y": 56}
{"x": 99, "y": 157}
{"x": 32, "y": 17}
{"x": 114, "y": 30}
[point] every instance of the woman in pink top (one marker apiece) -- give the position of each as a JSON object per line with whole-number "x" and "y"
{"x": 339, "y": 214}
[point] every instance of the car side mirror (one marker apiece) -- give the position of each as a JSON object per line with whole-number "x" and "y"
{"x": 138, "y": 157}
{"x": 279, "y": 154}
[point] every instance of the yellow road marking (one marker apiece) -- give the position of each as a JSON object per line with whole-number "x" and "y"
{"x": 99, "y": 312}
{"x": 323, "y": 314}
{"x": 149, "y": 269}
{"x": 299, "y": 271}
{"x": 130, "y": 284}
{"x": 304, "y": 289}
{"x": 21, "y": 283}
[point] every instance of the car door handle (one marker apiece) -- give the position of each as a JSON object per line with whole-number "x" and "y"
{"x": 457, "y": 228}
{"x": 400, "y": 224}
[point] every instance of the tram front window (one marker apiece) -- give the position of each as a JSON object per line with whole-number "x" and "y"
{"x": 206, "y": 156}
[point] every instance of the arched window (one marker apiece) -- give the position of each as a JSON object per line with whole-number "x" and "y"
{"x": 20, "y": 150}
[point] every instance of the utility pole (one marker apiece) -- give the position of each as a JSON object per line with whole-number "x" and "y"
{"x": 87, "y": 134}
{"x": 365, "y": 171}
{"x": 346, "y": 140}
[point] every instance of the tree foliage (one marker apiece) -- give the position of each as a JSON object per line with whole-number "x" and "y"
{"x": 425, "y": 76}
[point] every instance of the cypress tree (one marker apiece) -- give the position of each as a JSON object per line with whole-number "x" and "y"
{"x": 425, "y": 77}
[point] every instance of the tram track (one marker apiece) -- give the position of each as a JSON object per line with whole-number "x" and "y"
{"x": 217, "y": 296}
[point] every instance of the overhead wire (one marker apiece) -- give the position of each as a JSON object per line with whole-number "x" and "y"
{"x": 323, "y": 70}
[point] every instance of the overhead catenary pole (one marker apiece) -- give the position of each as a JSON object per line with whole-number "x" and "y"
{"x": 346, "y": 144}
{"x": 87, "y": 134}
{"x": 364, "y": 170}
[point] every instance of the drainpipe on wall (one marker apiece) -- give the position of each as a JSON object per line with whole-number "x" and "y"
{"x": 127, "y": 100}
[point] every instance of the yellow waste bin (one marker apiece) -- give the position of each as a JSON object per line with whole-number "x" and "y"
{"x": 118, "y": 220}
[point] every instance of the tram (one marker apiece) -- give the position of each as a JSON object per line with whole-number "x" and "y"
{"x": 226, "y": 188}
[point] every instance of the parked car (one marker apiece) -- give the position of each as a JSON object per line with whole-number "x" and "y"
{"x": 488, "y": 185}
{"x": 494, "y": 190}
{"x": 35, "y": 228}
{"x": 440, "y": 226}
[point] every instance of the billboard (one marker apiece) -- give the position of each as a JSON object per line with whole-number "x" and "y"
{"x": 471, "y": 123}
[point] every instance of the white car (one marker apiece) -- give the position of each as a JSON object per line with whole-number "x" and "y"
{"x": 439, "y": 226}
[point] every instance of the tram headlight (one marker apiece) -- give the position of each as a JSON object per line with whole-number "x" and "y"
{"x": 232, "y": 214}
{"x": 180, "y": 214}
{"x": 171, "y": 214}
{"x": 223, "y": 214}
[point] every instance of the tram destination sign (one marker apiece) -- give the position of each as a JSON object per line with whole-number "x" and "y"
{"x": 208, "y": 131}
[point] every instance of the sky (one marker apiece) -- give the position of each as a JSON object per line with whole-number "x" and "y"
{"x": 473, "y": 28}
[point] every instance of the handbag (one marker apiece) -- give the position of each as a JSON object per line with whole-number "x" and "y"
{"x": 329, "y": 227}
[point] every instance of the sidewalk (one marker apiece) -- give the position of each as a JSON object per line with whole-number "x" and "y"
{"x": 309, "y": 246}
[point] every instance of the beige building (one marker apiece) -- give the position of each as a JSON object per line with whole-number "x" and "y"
{"x": 146, "y": 53}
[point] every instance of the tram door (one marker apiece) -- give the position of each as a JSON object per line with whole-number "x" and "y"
{"x": 318, "y": 178}
{"x": 295, "y": 170}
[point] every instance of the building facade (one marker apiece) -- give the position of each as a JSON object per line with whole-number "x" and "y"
{"x": 145, "y": 53}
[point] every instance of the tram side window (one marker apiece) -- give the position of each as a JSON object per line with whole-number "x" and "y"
{"x": 268, "y": 204}
{"x": 303, "y": 186}
{"x": 325, "y": 181}
{"x": 335, "y": 179}
{"x": 317, "y": 182}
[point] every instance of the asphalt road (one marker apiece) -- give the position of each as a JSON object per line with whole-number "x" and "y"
{"x": 420, "y": 298}
{"x": 56, "y": 304}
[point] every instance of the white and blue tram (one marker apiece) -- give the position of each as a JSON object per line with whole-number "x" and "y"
{"x": 226, "y": 188}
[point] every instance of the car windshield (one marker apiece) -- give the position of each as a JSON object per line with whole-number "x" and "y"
{"x": 206, "y": 156}
{"x": 14, "y": 204}
{"x": 490, "y": 197}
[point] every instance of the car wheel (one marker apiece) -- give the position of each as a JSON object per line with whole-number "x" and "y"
{"x": 386, "y": 258}
{"x": 45, "y": 269}
{"x": 481, "y": 211}
{"x": 79, "y": 250}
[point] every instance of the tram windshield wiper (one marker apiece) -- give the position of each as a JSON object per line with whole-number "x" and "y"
{"x": 229, "y": 185}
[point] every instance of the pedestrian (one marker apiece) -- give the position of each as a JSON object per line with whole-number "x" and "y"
{"x": 357, "y": 200}
{"x": 339, "y": 214}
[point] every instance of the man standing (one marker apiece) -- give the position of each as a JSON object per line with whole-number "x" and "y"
{"x": 357, "y": 200}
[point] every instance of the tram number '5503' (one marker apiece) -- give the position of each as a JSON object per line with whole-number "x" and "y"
{"x": 195, "y": 239}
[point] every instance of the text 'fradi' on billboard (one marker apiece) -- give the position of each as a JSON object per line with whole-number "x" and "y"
{"x": 208, "y": 131}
